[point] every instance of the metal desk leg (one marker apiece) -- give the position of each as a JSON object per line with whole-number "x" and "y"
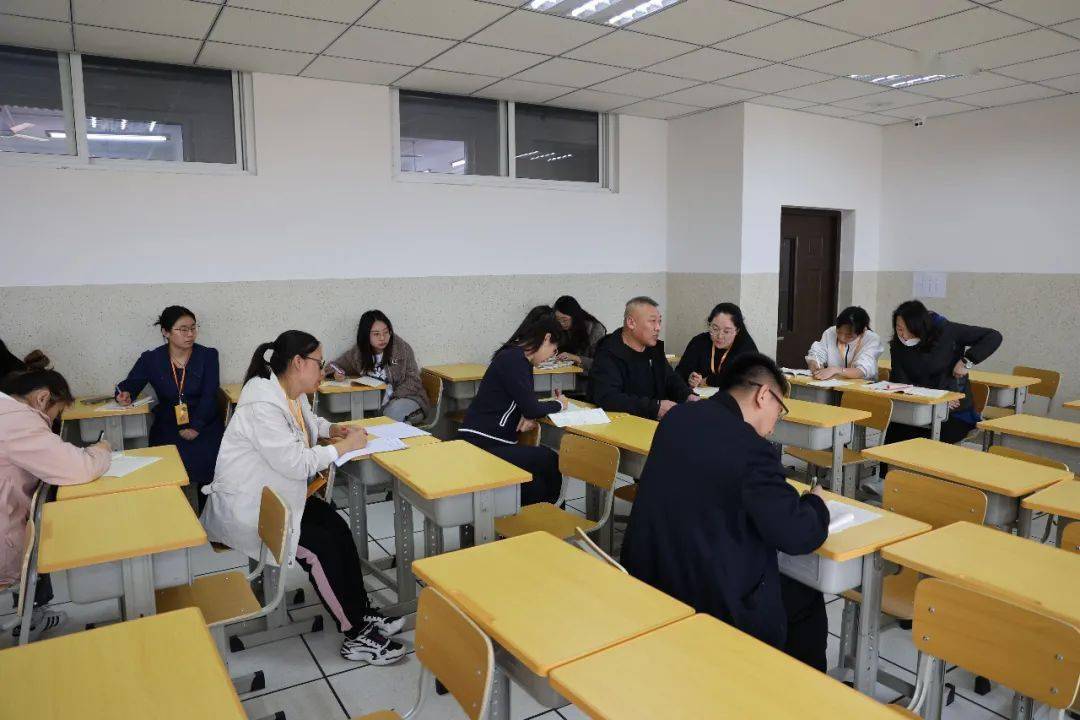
{"x": 1023, "y": 522}
{"x": 356, "y": 406}
{"x": 403, "y": 545}
{"x": 866, "y": 647}
{"x": 114, "y": 431}
{"x": 935, "y": 692}
{"x": 1021, "y": 396}
{"x": 138, "y": 573}
{"x": 1023, "y": 708}
{"x": 358, "y": 511}
{"x": 988, "y": 439}
{"x": 484, "y": 516}
{"x": 847, "y": 637}
{"x": 499, "y": 707}
{"x": 433, "y": 538}
{"x": 837, "y": 475}
{"x": 938, "y": 415}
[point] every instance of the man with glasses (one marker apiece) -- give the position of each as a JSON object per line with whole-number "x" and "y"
{"x": 713, "y": 508}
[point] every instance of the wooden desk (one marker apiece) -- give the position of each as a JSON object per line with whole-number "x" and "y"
{"x": 167, "y": 472}
{"x": 84, "y": 536}
{"x": 354, "y": 399}
{"x": 1073, "y": 404}
{"x": 461, "y": 381}
{"x": 164, "y": 667}
{"x": 819, "y": 427}
{"x": 703, "y": 668}
{"x": 1006, "y": 389}
{"x": 1058, "y": 439}
{"x": 546, "y": 602}
{"x": 1062, "y": 500}
{"x": 231, "y": 393}
{"x": 625, "y": 431}
{"x": 132, "y": 423}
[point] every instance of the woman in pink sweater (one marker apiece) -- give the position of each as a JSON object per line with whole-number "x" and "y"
{"x": 30, "y": 452}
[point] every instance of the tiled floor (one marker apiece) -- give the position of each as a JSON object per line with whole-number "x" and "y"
{"x": 308, "y": 680}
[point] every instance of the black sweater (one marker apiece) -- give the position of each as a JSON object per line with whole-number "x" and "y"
{"x": 698, "y": 353}
{"x": 505, "y": 395}
{"x": 625, "y": 380}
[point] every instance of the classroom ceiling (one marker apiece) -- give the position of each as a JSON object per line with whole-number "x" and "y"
{"x": 691, "y": 56}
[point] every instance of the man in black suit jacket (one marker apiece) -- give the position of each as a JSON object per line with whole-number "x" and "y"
{"x": 713, "y": 508}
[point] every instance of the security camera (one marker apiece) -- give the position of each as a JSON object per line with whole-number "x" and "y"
{"x": 919, "y": 122}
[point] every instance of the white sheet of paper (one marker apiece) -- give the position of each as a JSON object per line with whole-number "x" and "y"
{"x": 121, "y": 464}
{"x": 113, "y": 405}
{"x": 843, "y": 516}
{"x": 375, "y": 444}
{"x": 397, "y": 430}
{"x": 924, "y": 392}
{"x": 369, "y": 381}
{"x": 829, "y": 383}
{"x": 591, "y": 416}
{"x": 886, "y": 386}
{"x": 338, "y": 383}
{"x": 793, "y": 371}
{"x": 554, "y": 364}
{"x": 705, "y": 392}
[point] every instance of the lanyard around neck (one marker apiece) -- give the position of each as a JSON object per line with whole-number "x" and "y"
{"x": 179, "y": 381}
{"x": 842, "y": 348}
{"x": 298, "y": 414}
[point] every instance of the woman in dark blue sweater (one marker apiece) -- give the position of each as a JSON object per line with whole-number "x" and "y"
{"x": 506, "y": 404}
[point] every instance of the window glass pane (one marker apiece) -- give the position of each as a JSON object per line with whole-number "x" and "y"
{"x": 31, "y": 103}
{"x": 447, "y": 134}
{"x": 147, "y": 111}
{"x": 557, "y": 144}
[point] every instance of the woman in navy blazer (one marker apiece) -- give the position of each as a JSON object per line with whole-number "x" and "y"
{"x": 186, "y": 377}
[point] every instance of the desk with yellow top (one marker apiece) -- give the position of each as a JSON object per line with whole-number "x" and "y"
{"x": 1006, "y": 389}
{"x": 1049, "y": 437}
{"x": 546, "y": 603}
{"x": 165, "y": 667}
{"x": 1073, "y": 404}
{"x": 814, "y": 426}
{"x": 167, "y": 472}
{"x": 121, "y": 545}
{"x": 350, "y": 397}
{"x": 119, "y": 424}
{"x": 1062, "y": 500}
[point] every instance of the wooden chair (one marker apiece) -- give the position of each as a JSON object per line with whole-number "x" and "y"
{"x": 627, "y": 492}
{"x": 1027, "y": 457}
{"x": 586, "y": 543}
{"x": 1017, "y": 646}
{"x": 1047, "y": 387}
{"x": 433, "y": 388}
{"x": 580, "y": 457}
{"x": 883, "y": 374}
{"x": 452, "y": 649}
{"x": 880, "y": 409}
{"x": 28, "y": 575}
{"x": 1070, "y": 537}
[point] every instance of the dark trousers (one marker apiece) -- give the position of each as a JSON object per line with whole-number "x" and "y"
{"x": 328, "y": 555}
{"x": 952, "y": 431}
{"x": 808, "y": 624}
{"x": 539, "y": 460}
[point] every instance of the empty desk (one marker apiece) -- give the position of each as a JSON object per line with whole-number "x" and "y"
{"x": 167, "y": 472}
{"x": 814, "y": 426}
{"x": 1049, "y": 437}
{"x": 350, "y": 398}
{"x": 1062, "y": 499}
{"x": 119, "y": 424}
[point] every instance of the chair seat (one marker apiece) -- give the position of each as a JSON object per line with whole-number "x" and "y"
{"x": 545, "y": 517}
{"x": 823, "y": 458}
{"x": 991, "y": 412}
{"x": 627, "y": 492}
{"x": 220, "y": 596}
{"x": 380, "y": 715}
{"x": 897, "y": 594}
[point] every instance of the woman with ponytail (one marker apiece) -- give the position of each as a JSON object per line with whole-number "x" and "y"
{"x": 272, "y": 441}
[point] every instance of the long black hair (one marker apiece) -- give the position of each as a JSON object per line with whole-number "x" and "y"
{"x": 288, "y": 345}
{"x": 743, "y": 335}
{"x": 24, "y": 382}
{"x": 534, "y": 315}
{"x": 856, "y": 318}
{"x": 530, "y": 337}
{"x": 920, "y": 323}
{"x": 580, "y": 323}
{"x": 170, "y": 315}
{"x": 363, "y": 340}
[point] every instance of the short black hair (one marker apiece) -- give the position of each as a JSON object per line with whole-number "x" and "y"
{"x": 854, "y": 317}
{"x": 752, "y": 368}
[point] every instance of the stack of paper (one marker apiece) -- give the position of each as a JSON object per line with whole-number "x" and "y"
{"x": 338, "y": 383}
{"x": 583, "y": 416}
{"x": 121, "y": 464}
{"x": 792, "y": 371}
{"x": 829, "y": 383}
{"x": 113, "y": 406}
{"x": 397, "y": 430}
{"x": 886, "y": 386}
{"x": 924, "y": 392}
{"x": 843, "y": 516}
{"x": 374, "y": 445}
{"x": 554, "y": 364}
{"x": 368, "y": 381}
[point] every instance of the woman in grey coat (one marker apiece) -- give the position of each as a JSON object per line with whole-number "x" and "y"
{"x": 585, "y": 332}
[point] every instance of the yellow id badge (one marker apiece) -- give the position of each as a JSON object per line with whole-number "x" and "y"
{"x": 181, "y": 414}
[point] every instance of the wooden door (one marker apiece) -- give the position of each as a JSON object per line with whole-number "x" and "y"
{"x": 809, "y": 280}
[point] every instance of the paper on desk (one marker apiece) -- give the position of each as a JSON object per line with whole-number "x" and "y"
{"x": 368, "y": 381}
{"x": 705, "y": 391}
{"x": 843, "y": 516}
{"x": 121, "y": 464}
{"x": 583, "y": 416}
{"x": 792, "y": 371}
{"x": 886, "y": 386}
{"x": 113, "y": 406}
{"x": 338, "y": 383}
{"x": 397, "y": 430}
{"x": 554, "y": 364}
{"x": 829, "y": 383}
{"x": 924, "y": 392}
{"x": 374, "y": 445}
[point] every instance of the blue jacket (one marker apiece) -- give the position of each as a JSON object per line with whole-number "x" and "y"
{"x": 505, "y": 395}
{"x": 712, "y": 509}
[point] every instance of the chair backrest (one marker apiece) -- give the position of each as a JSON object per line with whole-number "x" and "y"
{"x": 274, "y": 524}
{"x": 27, "y": 567}
{"x": 433, "y": 387}
{"x": 455, "y": 650}
{"x": 593, "y": 549}
{"x": 1070, "y": 537}
{"x": 1027, "y": 457}
{"x": 1020, "y": 647}
{"x": 590, "y": 460}
{"x": 932, "y": 500}
{"x": 1049, "y": 380}
{"x": 529, "y": 437}
{"x": 883, "y": 374}
{"x": 980, "y": 395}
{"x": 879, "y": 407}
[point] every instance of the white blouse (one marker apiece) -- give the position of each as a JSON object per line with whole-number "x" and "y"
{"x": 862, "y": 354}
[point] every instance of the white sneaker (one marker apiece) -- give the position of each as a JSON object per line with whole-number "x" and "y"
{"x": 387, "y": 626}
{"x": 372, "y": 648}
{"x": 41, "y": 622}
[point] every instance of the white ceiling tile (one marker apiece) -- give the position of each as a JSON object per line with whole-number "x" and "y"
{"x": 1018, "y": 48}
{"x": 707, "y": 64}
{"x": 165, "y": 17}
{"x": 934, "y": 108}
{"x": 705, "y": 23}
{"x": 780, "y": 102}
{"x": 832, "y": 111}
{"x": 357, "y": 71}
{"x": 253, "y": 59}
{"x": 832, "y": 90}
{"x": 959, "y": 30}
{"x": 1072, "y": 28}
{"x": 485, "y": 60}
{"x": 135, "y": 45}
{"x": 709, "y": 95}
{"x": 346, "y": 11}
{"x": 1068, "y": 84}
{"x": 1043, "y": 12}
{"x": 785, "y": 40}
{"x": 536, "y": 32}
{"x": 572, "y": 73}
{"x": 443, "y": 81}
{"x": 775, "y": 78}
{"x": 657, "y": 109}
{"x": 510, "y": 3}
{"x": 873, "y": 17}
{"x": 882, "y": 102}
{"x": 644, "y": 84}
{"x": 593, "y": 100}
{"x": 789, "y": 7}
{"x": 963, "y": 85}
{"x": 361, "y": 43}
{"x": 29, "y": 32}
{"x": 1010, "y": 95}
{"x": 876, "y": 119}
{"x": 45, "y": 9}
{"x": 280, "y": 32}
{"x": 523, "y": 91}
{"x": 456, "y": 19}
{"x": 629, "y": 49}
{"x": 1051, "y": 67}
{"x": 865, "y": 57}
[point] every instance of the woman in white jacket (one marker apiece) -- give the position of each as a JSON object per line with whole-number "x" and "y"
{"x": 272, "y": 440}
{"x": 849, "y": 349}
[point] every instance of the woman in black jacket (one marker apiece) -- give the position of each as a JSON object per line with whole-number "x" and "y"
{"x": 725, "y": 339}
{"x": 929, "y": 351}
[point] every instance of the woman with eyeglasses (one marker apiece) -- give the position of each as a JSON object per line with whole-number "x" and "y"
{"x": 849, "y": 349}
{"x": 381, "y": 354}
{"x": 185, "y": 377}
{"x": 724, "y": 339}
{"x": 273, "y": 441}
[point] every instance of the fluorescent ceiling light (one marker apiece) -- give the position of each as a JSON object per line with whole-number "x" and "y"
{"x": 640, "y": 11}
{"x": 527, "y": 154}
{"x": 543, "y": 5}
{"x": 590, "y": 8}
{"x": 458, "y": 163}
{"x": 900, "y": 80}
{"x": 112, "y": 138}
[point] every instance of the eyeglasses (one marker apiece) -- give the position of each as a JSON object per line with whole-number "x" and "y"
{"x": 721, "y": 332}
{"x": 380, "y": 335}
{"x": 185, "y": 329}
{"x": 320, "y": 361}
{"x": 783, "y": 408}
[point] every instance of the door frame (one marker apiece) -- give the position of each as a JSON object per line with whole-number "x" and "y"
{"x": 837, "y": 222}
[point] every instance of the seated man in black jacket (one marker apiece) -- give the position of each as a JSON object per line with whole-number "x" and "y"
{"x": 713, "y": 507}
{"x": 630, "y": 372}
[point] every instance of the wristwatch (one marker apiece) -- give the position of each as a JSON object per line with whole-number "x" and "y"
{"x": 967, "y": 363}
